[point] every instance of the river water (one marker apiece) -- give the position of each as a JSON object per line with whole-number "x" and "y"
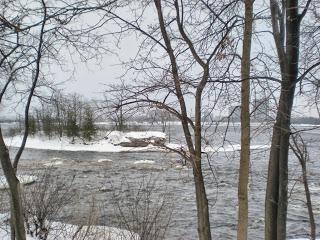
{"x": 95, "y": 182}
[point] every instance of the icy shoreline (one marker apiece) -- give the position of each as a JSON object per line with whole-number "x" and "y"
{"x": 111, "y": 144}
{"x": 108, "y": 144}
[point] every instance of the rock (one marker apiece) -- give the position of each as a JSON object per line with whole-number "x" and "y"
{"x": 143, "y": 142}
{"x": 134, "y": 143}
{"x": 137, "y": 139}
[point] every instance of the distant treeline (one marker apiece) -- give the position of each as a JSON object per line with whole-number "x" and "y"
{"x": 306, "y": 120}
{"x": 68, "y": 116}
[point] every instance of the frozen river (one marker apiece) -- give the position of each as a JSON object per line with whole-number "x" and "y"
{"x": 95, "y": 180}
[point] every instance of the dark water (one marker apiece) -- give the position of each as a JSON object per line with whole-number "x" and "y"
{"x": 221, "y": 175}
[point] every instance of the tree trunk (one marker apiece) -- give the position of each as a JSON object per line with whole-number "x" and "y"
{"x": 272, "y": 190}
{"x": 204, "y": 232}
{"x": 14, "y": 192}
{"x": 242, "y": 231}
{"x": 301, "y": 153}
{"x": 277, "y": 183}
{"x": 309, "y": 203}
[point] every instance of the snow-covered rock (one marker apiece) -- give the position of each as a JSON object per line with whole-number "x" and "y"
{"x": 119, "y": 142}
{"x": 111, "y": 143}
{"x": 136, "y": 139}
{"x": 24, "y": 179}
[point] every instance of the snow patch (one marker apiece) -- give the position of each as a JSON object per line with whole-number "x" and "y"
{"x": 144, "y": 162}
{"x": 110, "y": 144}
{"x": 53, "y": 163}
{"x": 104, "y": 160}
{"x": 181, "y": 167}
{"x": 136, "y": 139}
{"x": 117, "y": 137}
{"x": 63, "y": 144}
{"x": 4, "y": 217}
{"x": 63, "y": 231}
{"x": 148, "y": 134}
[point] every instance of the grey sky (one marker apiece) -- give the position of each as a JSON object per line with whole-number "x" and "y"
{"x": 89, "y": 79}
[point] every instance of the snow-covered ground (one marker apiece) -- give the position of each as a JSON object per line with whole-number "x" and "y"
{"x": 66, "y": 232}
{"x": 110, "y": 144}
{"x": 24, "y": 179}
{"x": 63, "y": 231}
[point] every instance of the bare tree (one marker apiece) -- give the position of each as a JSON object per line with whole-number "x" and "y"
{"x": 179, "y": 58}
{"x": 142, "y": 208}
{"x": 242, "y": 233}
{"x": 117, "y": 113}
{"x": 299, "y": 148}
{"x": 43, "y": 201}
{"x": 286, "y": 21}
{"x": 32, "y": 36}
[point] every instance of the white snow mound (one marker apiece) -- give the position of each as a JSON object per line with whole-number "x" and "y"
{"x": 104, "y": 160}
{"x": 53, "y": 163}
{"x": 144, "y": 162}
{"x": 64, "y": 231}
{"x": 109, "y": 144}
{"x": 136, "y": 139}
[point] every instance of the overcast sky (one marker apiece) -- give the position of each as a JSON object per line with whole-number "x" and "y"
{"x": 89, "y": 79}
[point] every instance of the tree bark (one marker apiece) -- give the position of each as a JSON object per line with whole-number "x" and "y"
{"x": 277, "y": 183}
{"x": 204, "y": 231}
{"x": 309, "y": 203}
{"x": 242, "y": 231}
{"x": 301, "y": 153}
{"x": 14, "y": 192}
